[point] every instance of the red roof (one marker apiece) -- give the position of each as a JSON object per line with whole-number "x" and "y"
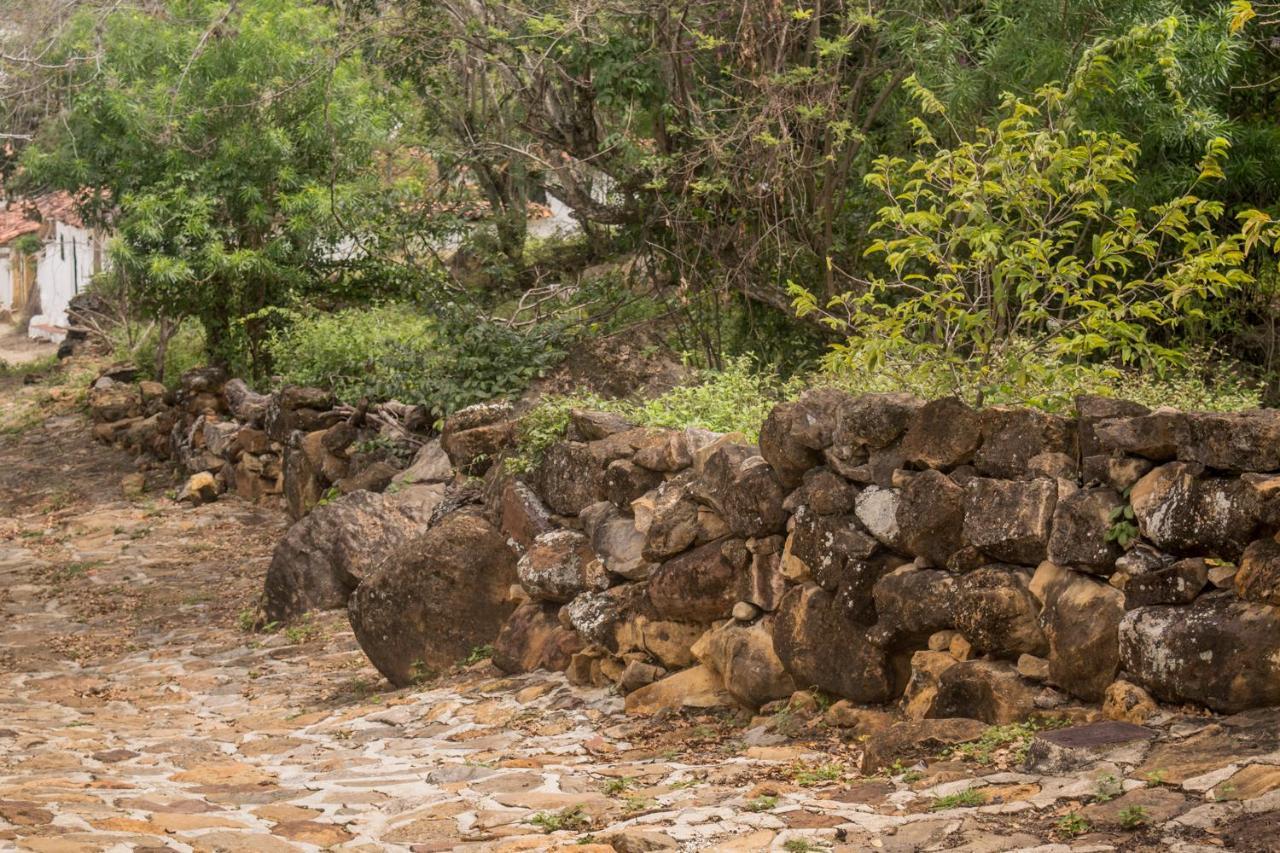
{"x": 19, "y": 216}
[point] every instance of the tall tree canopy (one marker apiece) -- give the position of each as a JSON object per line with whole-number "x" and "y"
{"x": 229, "y": 143}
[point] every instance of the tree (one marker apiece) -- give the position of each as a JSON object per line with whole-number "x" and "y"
{"x": 226, "y": 143}
{"x": 1010, "y": 251}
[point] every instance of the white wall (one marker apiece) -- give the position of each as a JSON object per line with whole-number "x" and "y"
{"x": 6, "y": 280}
{"x": 64, "y": 269}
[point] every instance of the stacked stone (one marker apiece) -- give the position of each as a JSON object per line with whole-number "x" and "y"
{"x": 227, "y": 438}
{"x": 963, "y": 563}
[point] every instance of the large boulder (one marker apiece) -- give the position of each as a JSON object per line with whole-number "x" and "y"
{"x": 435, "y": 598}
{"x": 598, "y": 616}
{"x": 475, "y": 436}
{"x": 1010, "y": 520}
{"x": 694, "y": 689}
{"x": 1259, "y": 576}
{"x": 248, "y": 407}
{"x": 1093, "y": 410}
{"x": 931, "y": 517}
{"x": 1179, "y": 583}
{"x": 1081, "y": 617}
{"x": 668, "y": 518}
{"x": 744, "y": 490}
{"x": 911, "y": 604}
{"x": 616, "y": 541}
{"x": 782, "y": 448}
{"x": 559, "y": 566}
{"x": 745, "y": 658}
{"x": 625, "y": 481}
{"x": 1224, "y": 441}
{"x": 997, "y": 613}
{"x": 1182, "y": 512}
{"x": 837, "y": 553}
{"x": 1233, "y": 441}
{"x": 296, "y": 408}
{"x": 942, "y": 434}
{"x": 823, "y": 491}
{"x": 666, "y": 451}
{"x": 325, "y": 555}
{"x": 533, "y": 638}
{"x": 668, "y": 643}
{"x": 1218, "y": 652}
{"x": 991, "y": 691}
{"x": 521, "y": 513}
{"x": 1081, "y": 531}
{"x": 304, "y": 485}
{"x": 1013, "y": 436}
{"x": 794, "y": 434}
{"x": 430, "y": 465}
{"x": 872, "y": 421}
{"x": 1155, "y": 435}
{"x": 762, "y": 583}
{"x": 698, "y": 586}
{"x": 114, "y": 402}
{"x": 822, "y": 648}
{"x": 571, "y": 475}
{"x": 877, "y": 509}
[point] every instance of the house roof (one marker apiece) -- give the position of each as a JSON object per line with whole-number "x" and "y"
{"x": 19, "y": 216}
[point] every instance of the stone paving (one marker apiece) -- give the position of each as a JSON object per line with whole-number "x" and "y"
{"x": 138, "y": 713}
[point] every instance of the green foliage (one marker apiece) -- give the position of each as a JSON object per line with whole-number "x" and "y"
{"x": 1108, "y": 787}
{"x": 349, "y": 351}
{"x": 965, "y": 799}
{"x": 736, "y": 399}
{"x": 138, "y": 343}
{"x": 763, "y": 803}
{"x": 396, "y": 352}
{"x": 477, "y": 654}
{"x": 1122, "y": 528}
{"x": 573, "y": 819}
{"x": 799, "y": 845}
{"x": 1013, "y": 738}
{"x": 1072, "y": 824}
{"x": 1133, "y": 817}
{"x": 1008, "y": 253}
{"x": 1201, "y": 381}
{"x": 816, "y": 774}
{"x": 617, "y": 785}
{"x": 238, "y": 145}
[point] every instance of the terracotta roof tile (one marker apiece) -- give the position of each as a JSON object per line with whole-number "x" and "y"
{"x": 19, "y": 216}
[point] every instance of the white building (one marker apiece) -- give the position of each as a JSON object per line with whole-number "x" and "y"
{"x": 47, "y": 256}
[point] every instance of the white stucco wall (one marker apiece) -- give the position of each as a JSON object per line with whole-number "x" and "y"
{"x": 6, "y": 280}
{"x": 64, "y": 269}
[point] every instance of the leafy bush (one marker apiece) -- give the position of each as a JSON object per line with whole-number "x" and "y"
{"x": 1200, "y": 380}
{"x": 739, "y": 398}
{"x": 736, "y": 399}
{"x": 444, "y": 362}
{"x": 137, "y": 343}
{"x": 348, "y": 351}
{"x": 1006, "y": 257}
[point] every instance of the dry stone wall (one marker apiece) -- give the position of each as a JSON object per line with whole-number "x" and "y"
{"x": 991, "y": 564}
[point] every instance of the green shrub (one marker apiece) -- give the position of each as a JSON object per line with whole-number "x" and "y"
{"x": 736, "y": 399}
{"x": 349, "y": 351}
{"x": 1199, "y": 381}
{"x": 186, "y": 349}
{"x": 445, "y": 361}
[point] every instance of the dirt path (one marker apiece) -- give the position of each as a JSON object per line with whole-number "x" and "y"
{"x": 137, "y": 714}
{"x": 17, "y": 349}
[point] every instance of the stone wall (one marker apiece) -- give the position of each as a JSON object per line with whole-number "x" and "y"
{"x": 958, "y": 562}
{"x": 990, "y": 564}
